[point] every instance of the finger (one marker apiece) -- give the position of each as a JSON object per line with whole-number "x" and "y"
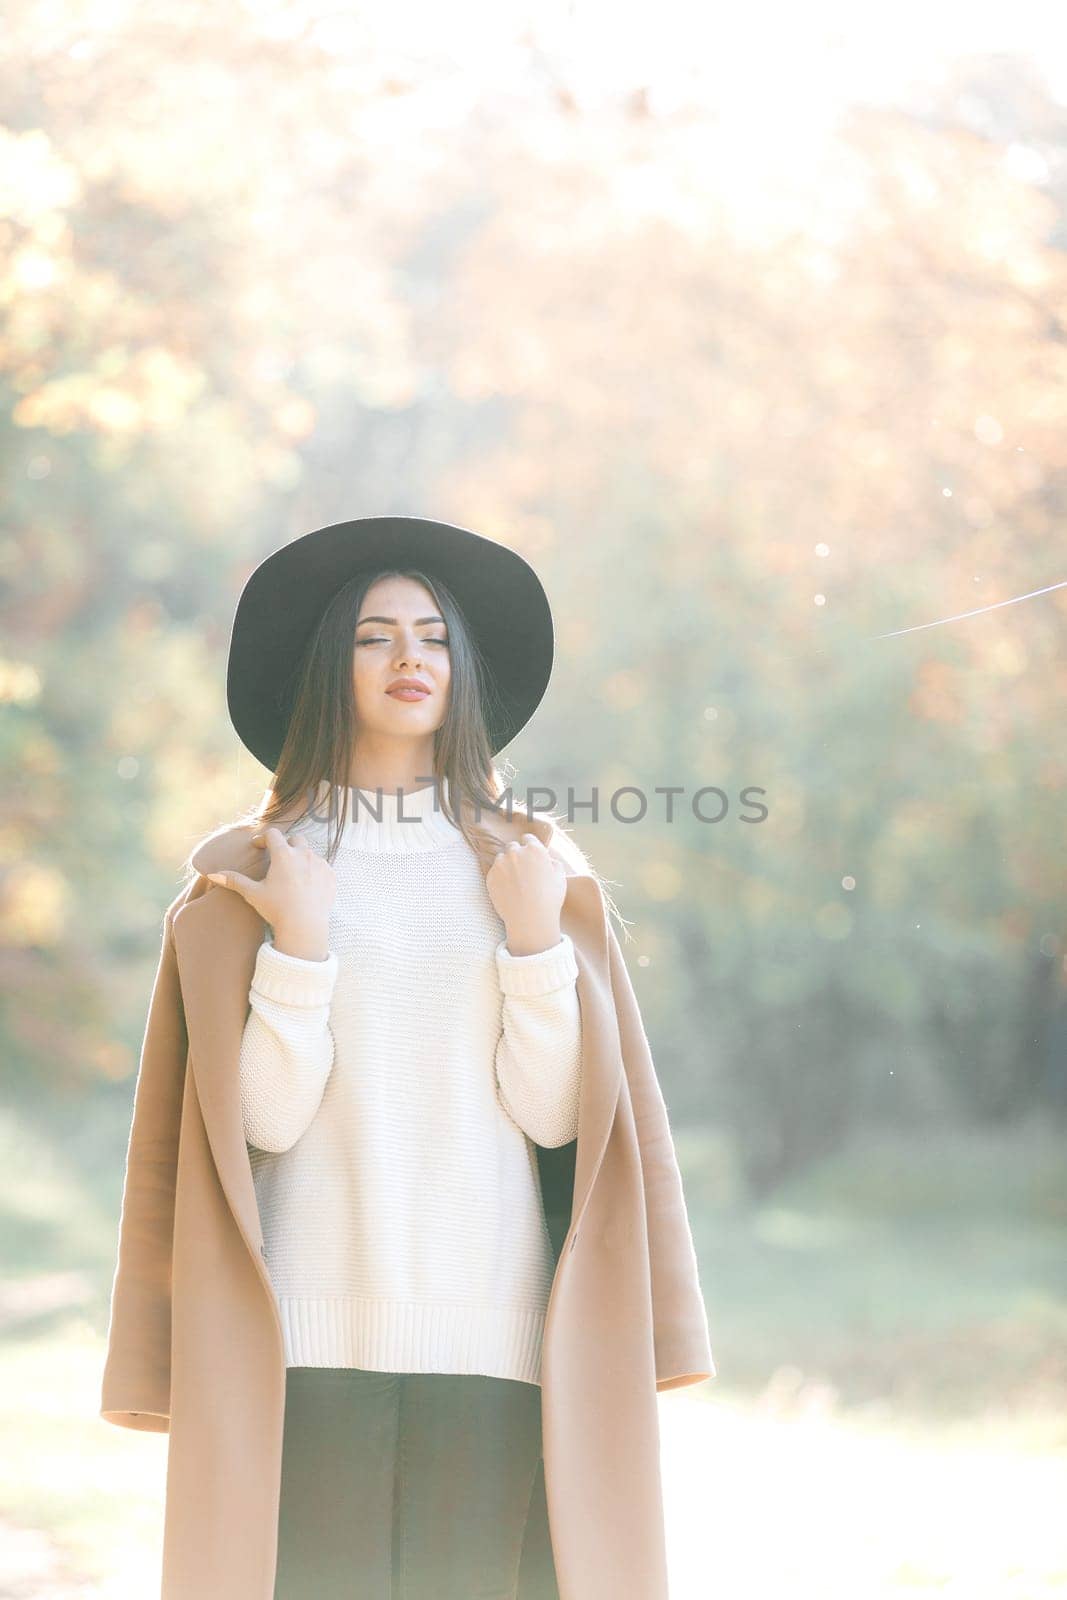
{"x": 230, "y": 880}
{"x": 269, "y": 839}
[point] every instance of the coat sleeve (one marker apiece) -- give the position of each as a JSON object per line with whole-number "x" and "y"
{"x": 680, "y": 1323}
{"x": 136, "y": 1379}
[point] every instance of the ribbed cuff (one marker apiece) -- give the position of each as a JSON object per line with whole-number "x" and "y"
{"x": 293, "y": 980}
{"x": 539, "y": 973}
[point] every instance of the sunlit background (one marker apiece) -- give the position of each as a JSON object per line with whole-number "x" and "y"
{"x": 749, "y": 329}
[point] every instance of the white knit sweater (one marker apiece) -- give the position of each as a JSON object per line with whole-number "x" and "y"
{"x": 392, "y": 1095}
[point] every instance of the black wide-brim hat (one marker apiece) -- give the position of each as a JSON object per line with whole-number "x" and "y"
{"x": 499, "y": 593}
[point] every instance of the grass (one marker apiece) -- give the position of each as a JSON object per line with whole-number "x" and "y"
{"x": 927, "y": 1275}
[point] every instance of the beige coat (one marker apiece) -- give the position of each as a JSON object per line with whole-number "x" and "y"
{"x": 195, "y": 1342}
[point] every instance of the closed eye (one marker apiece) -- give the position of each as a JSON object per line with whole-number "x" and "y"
{"x": 377, "y": 639}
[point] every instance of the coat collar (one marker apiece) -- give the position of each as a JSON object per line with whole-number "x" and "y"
{"x": 217, "y": 935}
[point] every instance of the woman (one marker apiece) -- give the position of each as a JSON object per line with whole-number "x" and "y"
{"x": 412, "y": 1056}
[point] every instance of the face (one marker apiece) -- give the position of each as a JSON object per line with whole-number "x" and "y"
{"x": 400, "y": 634}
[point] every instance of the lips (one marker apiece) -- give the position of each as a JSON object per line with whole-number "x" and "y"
{"x": 404, "y": 692}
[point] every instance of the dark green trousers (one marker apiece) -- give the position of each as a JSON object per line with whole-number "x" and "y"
{"x": 405, "y": 1486}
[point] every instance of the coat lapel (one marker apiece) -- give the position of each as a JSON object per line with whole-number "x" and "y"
{"x": 217, "y": 935}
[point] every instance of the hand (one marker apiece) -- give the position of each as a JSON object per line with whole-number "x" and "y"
{"x": 528, "y": 886}
{"x": 295, "y": 896}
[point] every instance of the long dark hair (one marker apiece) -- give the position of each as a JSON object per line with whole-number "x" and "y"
{"x": 319, "y": 704}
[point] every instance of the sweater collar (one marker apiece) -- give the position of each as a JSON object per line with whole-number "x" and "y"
{"x": 382, "y": 819}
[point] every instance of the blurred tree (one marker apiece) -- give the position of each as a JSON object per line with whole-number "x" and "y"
{"x": 247, "y": 289}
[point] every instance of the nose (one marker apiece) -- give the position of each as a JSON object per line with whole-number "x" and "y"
{"x": 409, "y": 658}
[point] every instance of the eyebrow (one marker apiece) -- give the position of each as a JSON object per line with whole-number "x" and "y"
{"x": 420, "y": 622}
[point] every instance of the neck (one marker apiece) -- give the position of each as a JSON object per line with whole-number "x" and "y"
{"x": 396, "y": 764}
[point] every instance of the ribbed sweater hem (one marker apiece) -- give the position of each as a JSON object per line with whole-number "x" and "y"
{"x": 412, "y": 1336}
